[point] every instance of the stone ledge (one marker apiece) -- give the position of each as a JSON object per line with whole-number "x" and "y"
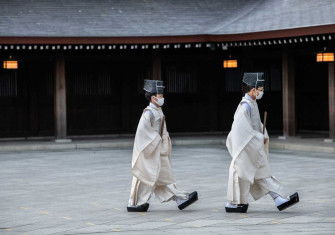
{"x": 314, "y": 145}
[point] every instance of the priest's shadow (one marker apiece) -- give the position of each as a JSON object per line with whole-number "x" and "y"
{"x": 173, "y": 212}
{"x": 274, "y": 212}
{"x": 252, "y": 213}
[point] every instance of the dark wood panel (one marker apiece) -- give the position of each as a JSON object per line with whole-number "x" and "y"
{"x": 26, "y": 99}
{"x": 311, "y": 94}
{"x": 40, "y": 85}
{"x": 103, "y": 95}
{"x": 191, "y": 87}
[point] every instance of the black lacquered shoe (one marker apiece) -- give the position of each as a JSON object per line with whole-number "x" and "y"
{"x": 241, "y": 208}
{"x": 141, "y": 208}
{"x": 294, "y": 199}
{"x": 191, "y": 199}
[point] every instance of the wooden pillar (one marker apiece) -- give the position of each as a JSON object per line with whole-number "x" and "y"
{"x": 331, "y": 97}
{"x": 288, "y": 78}
{"x": 33, "y": 100}
{"x": 60, "y": 100}
{"x": 157, "y": 68}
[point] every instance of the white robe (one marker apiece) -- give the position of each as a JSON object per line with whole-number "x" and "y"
{"x": 151, "y": 152}
{"x": 151, "y": 166}
{"x": 249, "y": 164}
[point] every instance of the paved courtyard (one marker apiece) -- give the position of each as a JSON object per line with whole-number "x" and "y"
{"x": 86, "y": 192}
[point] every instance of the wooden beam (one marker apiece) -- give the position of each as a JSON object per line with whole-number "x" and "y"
{"x": 60, "y": 99}
{"x": 157, "y": 68}
{"x": 331, "y": 97}
{"x": 288, "y": 73}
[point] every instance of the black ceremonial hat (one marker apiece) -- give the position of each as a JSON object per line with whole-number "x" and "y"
{"x": 254, "y": 79}
{"x": 154, "y": 86}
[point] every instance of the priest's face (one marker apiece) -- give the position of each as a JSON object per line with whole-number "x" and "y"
{"x": 257, "y": 93}
{"x": 158, "y": 100}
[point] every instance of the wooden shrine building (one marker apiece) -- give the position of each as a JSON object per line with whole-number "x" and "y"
{"x": 73, "y": 68}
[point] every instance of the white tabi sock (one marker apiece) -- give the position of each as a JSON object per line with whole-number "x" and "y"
{"x": 277, "y": 198}
{"x": 179, "y": 200}
{"x": 231, "y": 205}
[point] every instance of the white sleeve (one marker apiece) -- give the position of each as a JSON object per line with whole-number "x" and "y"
{"x": 246, "y": 107}
{"x": 148, "y": 115}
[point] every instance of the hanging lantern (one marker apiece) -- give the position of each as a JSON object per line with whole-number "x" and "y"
{"x": 10, "y": 64}
{"x": 230, "y": 64}
{"x": 325, "y": 57}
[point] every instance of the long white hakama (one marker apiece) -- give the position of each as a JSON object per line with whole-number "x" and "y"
{"x": 249, "y": 170}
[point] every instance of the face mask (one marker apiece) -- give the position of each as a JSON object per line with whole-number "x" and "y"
{"x": 260, "y": 95}
{"x": 160, "y": 101}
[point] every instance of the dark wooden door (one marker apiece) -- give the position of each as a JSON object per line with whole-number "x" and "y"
{"x": 103, "y": 95}
{"x": 39, "y": 75}
{"x": 191, "y": 94}
{"x": 13, "y": 104}
{"x": 311, "y": 94}
{"x": 26, "y": 99}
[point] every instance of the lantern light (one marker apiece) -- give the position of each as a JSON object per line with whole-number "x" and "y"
{"x": 325, "y": 57}
{"x": 10, "y": 64}
{"x": 229, "y": 63}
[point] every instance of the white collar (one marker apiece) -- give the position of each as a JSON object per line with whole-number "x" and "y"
{"x": 248, "y": 97}
{"x": 151, "y": 105}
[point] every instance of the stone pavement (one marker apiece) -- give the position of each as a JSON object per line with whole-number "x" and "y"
{"x": 86, "y": 192}
{"x": 111, "y": 142}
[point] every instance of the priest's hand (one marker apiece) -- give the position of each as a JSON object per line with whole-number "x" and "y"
{"x": 266, "y": 140}
{"x": 166, "y": 146}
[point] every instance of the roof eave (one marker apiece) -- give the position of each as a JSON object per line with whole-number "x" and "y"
{"x": 282, "y": 33}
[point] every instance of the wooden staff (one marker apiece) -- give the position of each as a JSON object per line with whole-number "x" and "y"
{"x": 162, "y": 126}
{"x": 264, "y": 124}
